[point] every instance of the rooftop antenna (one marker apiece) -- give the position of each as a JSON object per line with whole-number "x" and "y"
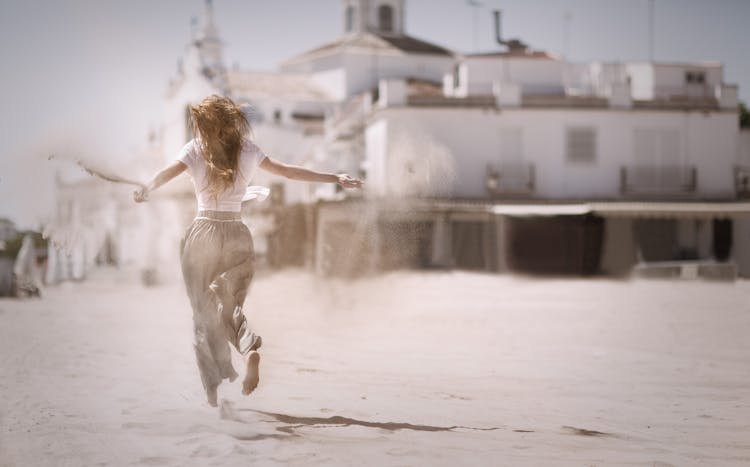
{"x": 566, "y": 48}
{"x": 566, "y": 35}
{"x": 650, "y": 30}
{"x": 476, "y": 4}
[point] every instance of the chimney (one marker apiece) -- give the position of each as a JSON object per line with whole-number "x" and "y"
{"x": 514, "y": 45}
{"x": 498, "y": 36}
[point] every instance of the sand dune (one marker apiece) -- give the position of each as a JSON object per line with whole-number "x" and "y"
{"x": 403, "y": 369}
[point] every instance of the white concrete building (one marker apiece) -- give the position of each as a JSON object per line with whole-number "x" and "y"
{"x": 477, "y": 159}
{"x": 522, "y": 126}
{"x": 374, "y": 46}
{"x": 525, "y": 123}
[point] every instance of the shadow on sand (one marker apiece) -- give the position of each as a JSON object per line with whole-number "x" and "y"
{"x": 338, "y": 420}
{"x": 228, "y": 412}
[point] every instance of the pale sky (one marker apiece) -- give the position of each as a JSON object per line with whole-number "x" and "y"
{"x": 96, "y": 70}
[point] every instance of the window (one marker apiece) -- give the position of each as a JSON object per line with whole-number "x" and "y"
{"x": 658, "y": 160}
{"x": 385, "y": 18}
{"x": 657, "y": 147}
{"x": 515, "y": 174}
{"x": 581, "y": 145}
{"x": 349, "y": 20}
{"x": 456, "y": 76}
{"x": 277, "y": 116}
{"x": 511, "y": 145}
{"x": 695, "y": 77}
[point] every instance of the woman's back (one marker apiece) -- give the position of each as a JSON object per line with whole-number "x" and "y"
{"x": 231, "y": 199}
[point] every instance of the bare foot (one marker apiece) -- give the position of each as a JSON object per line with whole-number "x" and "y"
{"x": 211, "y": 395}
{"x": 252, "y": 376}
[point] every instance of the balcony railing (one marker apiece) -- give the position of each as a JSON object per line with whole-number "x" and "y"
{"x": 510, "y": 179}
{"x": 658, "y": 180}
{"x": 685, "y": 91}
{"x": 742, "y": 181}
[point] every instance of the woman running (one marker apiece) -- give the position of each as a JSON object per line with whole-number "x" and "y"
{"x": 217, "y": 251}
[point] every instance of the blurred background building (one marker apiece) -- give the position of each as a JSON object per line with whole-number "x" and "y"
{"x": 512, "y": 159}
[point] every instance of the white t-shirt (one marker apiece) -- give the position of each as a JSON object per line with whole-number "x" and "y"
{"x": 231, "y": 199}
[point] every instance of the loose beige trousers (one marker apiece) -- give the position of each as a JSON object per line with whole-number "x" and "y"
{"x": 218, "y": 262}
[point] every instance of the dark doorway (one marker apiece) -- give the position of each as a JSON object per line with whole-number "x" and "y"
{"x": 722, "y": 239}
{"x": 468, "y": 244}
{"x": 656, "y": 239}
{"x": 555, "y": 245}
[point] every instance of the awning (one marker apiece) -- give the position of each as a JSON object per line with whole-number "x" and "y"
{"x": 521, "y": 210}
{"x": 656, "y": 210}
{"x": 671, "y": 210}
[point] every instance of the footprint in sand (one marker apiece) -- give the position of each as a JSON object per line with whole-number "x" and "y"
{"x": 204, "y": 451}
{"x": 141, "y": 425}
{"x": 152, "y": 461}
{"x": 447, "y": 395}
{"x": 402, "y": 452}
{"x": 227, "y": 411}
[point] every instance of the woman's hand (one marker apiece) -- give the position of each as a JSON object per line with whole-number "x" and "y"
{"x": 295, "y": 172}
{"x": 163, "y": 176}
{"x": 141, "y": 195}
{"x": 348, "y": 182}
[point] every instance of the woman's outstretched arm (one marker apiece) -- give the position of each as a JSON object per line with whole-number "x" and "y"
{"x": 296, "y": 172}
{"x": 163, "y": 176}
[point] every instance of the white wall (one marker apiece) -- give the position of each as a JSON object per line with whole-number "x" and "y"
{"x": 536, "y": 76}
{"x": 263, "y": 110}
{"x": 743, "y": 149}
{"x": 662, "y": 80}
{"x": 332, "y": 81}
{"x": 364, "y": 71}
{"x": 472, "y": 137}
{"x": 669, "y": 79}
{"x": 641, "y": 80}
{"x": 710, "y": 143}
{"x": 376, "y": 156}
{"x": 314, "y": 65}
{"x": 348, "y": 74}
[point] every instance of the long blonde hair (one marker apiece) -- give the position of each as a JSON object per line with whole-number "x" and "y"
{"x": 222, "y": 127}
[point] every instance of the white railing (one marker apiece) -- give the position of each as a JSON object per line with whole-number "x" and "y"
{"x": 685, "y": 91}
{"x": 742, "y": 181}
{"x": 510, "y": 179}
{"x": 658, "y": 180}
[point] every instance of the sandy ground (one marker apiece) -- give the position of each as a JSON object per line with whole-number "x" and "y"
{"x": 404, "y": 369}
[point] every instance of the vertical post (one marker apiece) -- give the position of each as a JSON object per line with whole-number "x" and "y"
{"x": 475, "y": 22}
{"x": 566, "y": 35}
{"x": 531, "y": 184}
{"x": 502, "y": 261}
{"x": 566, "y": 50}
{"x": 651, "y": 30}
{"x": 693, "y": 184}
